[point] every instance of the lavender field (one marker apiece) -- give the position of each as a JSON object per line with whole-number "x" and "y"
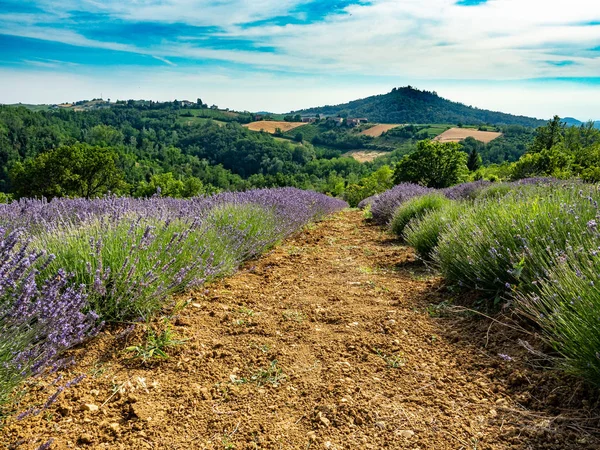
{"x": 69, "y": 266}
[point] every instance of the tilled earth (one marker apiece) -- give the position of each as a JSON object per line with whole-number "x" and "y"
{"x": 337, "y": 339}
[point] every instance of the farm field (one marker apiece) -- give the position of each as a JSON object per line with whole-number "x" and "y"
{"x": 332, "y": 340}
{"x": 379, "y": 129}
{"x": 459, "y": 134}
{"x": 364, "y": 155}
{"x": 271, "y": 125}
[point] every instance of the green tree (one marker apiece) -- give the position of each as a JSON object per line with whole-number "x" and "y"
{"x": 474, "y": 160}
{"x": 433, "y": 164}
{"x": 75, "y": 170}
{"x": 548, "y": 136}
{"x": 554, "y": 161}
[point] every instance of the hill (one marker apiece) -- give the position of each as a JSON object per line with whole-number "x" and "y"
{"x": 570, "y": 121}
{"x": 409, "y": 105}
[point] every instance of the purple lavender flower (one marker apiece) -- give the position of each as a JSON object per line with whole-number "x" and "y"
{"x": 385, "y": 204}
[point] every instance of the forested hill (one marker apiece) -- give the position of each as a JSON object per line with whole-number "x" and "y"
{"x": 409, "y": 105}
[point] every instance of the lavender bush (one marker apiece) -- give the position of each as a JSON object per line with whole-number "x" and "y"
{"x": 384, "y": 206}
{"x": 414, "y": 209}
{"x": 465, "y": 191}
{"x": 38, "y": 320}
{"x": 500, "y": 243}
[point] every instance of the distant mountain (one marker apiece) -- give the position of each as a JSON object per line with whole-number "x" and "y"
{"x": 571, "y": 122}
{"x": 577, "y": 123}
{"x": 409, "y": 105}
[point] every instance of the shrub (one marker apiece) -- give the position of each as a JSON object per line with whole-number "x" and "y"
{"x": 466, "y": 191}
{"x": 567, "y": 308}
{"x": 513, "y": 240}
{"x": 38, "y": 320}
{"x": 415, "y": 208}
{"x": 385, "y": 204}
{"x": 423, "y": 234}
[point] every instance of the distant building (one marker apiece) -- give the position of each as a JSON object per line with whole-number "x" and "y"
{"x": 356, "y": 121}
{"x": 187, "y": 103}
{"x": 309, "y": 119}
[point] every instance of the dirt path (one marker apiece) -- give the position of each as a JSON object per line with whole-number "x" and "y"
{"x": 330, "y": 341}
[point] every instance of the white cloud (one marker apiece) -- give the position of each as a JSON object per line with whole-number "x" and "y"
{"x": 422, "y": 42}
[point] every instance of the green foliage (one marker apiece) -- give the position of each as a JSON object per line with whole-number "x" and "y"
{"x": 554, "y": 161}
{"x": 433, "y": 164}
{"x": 472, "y": 148}
{"x": 5, "y": 198}
{"x": 414, "y": 209}
{"x": 562, "y": 152}
{"x": 167, "y": 185}
{"x": 379, "y": 181}
{"x": 157, "y": 344}
{"x": 74, "y": 170}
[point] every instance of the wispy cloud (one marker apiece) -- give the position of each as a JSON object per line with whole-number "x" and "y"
{"x": 412, "y": 39}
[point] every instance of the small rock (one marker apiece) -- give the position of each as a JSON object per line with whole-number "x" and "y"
{"x": 391, "y": 322}
{"x": 311, "y": 435}
{"x": 328, "y": 444}
{"x": 196, "y": 305}
{"x": 95, "y": 392}
{"x": 91, "y": 407}
{"x": 493, "y": 413}
{"x": 380, "y": 425}
{"x": 114, "y": 426}
{"x": 85, "y": 439}
{"x": 407, "y": 434}
{"x": 204, "y": 392}
{"x": 324, "y": 420}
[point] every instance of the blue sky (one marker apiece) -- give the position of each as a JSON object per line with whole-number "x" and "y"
{"x": 533, "y": 57}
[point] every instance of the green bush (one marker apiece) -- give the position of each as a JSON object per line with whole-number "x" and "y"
{"x": 415, "y": 208}
{"x": 424, "y": 233}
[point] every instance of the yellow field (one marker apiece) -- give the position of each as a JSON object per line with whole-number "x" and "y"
{"x": 271, "y": 125}
{"x": 364, "y": 155}
{"x": 459, "y": 134}
{"x": 378, "y": 130}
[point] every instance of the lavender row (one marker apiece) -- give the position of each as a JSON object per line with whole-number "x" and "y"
{"x": 384, "y": 205}
{"x": 68, "y": 265}
{"x": 294, "y": 205}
